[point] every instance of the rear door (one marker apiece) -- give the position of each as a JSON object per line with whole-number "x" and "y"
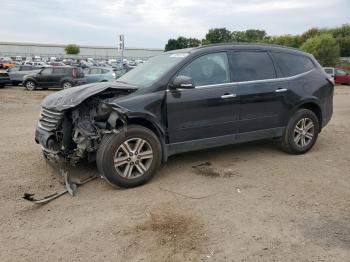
{"x": 261, "y": 94}
{"x": 208, "y": 110}
{"x": 57, "y": 74}
{"x": 94, "y": 75}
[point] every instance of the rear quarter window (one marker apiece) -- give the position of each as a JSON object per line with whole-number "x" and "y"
{"x": 291, "y": 65}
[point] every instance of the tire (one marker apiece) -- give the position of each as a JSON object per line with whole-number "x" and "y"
{"x": 30, "y": 85}
{"x": 297, "y": 137}
{"x": 142, "y": 166}
{"x": 66, "y": 84}
{"x": 2, "y": 85}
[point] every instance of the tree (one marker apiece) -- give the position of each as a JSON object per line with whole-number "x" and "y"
{"x": 344, "y": 44}
{"x": 325, "y": 49}
{"x": 285, "y": 40}
{"x": 72, "y": 49}
{"x": 308, "y": 34}
{"x": 218, "y": 35}
{"x": 181, "y": 42}
{"x": 238, "y": 36}
{"x": 255, "y": 35}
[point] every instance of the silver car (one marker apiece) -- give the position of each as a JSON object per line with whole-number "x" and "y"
{"x": 98, "y": 74}
{"x": 17, "y": 73}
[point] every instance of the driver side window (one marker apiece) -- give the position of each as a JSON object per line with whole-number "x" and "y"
{"x": 46, "y": 71}
{"x": 208, "y": 69}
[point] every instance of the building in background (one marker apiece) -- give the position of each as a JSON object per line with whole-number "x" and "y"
{"x": 14, "y": 49}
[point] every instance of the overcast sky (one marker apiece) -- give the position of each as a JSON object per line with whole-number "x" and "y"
{"x": 150, "y": 23}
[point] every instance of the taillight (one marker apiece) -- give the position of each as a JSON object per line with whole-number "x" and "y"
{"x": 331, "y": 80}
{"x": 74, "y": 74}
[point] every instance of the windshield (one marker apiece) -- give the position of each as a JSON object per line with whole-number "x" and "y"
{"x": 146, "y": 74}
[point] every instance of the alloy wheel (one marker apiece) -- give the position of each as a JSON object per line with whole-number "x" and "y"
{"x": 133, "y": 158}
{"x": 304, "y": 132}
{"x": 67, "y": 85}
{"x": 30, "y": 85}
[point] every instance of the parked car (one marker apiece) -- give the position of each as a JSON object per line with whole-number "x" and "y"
{"x": 4, "y": 79}
{"x": 339, "y": 75}
{"x": 6, "y": 64}
{"x": 59, "y": 76}
{"x": 186, "y": 100}
{"x": 97, "y": 74}
{"x": 18, "y": 73}
{"x": 39, "y": 64}
{"x": 54, "y": 63}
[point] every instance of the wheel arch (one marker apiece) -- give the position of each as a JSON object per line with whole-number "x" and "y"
{"x": 155, "y": 128}
{"x": 314, "y": 106}
{"x": 30, "y": 79}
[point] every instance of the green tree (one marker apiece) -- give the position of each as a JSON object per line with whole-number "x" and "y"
{"x": 325, "y": 48}
{"x": 309, "y": 34}
{"x": 218, "y": 35}
{"x": 255, "y": 35}
{"x": 238, "y": 36}
{"x": 344, "y": 43}
{"x": 72, "y": 49}
{"x": 181, "y": 42}
{"x": 285, "y": 40}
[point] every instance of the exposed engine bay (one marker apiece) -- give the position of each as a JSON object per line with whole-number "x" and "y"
{"x": 76, "y": 133}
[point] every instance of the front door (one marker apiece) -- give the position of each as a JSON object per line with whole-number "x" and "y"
{"x": 43, "y": 76}
{"x": 210, "y": 109}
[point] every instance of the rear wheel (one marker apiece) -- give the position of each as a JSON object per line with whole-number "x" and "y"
{"x": 66, "y": 85}
{"x": 30, "y": 85}
{"x": 129, "y": 160}
{"x": 301, "y": 132}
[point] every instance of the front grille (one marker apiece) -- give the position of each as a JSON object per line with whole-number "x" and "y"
{"x": 49, "y": 119}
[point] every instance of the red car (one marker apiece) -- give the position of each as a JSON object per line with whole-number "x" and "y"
{"x": 340, "y": 76}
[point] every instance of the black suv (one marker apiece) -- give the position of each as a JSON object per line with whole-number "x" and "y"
{"x": 187, "y": 100}
{"x": 57, "y": 76}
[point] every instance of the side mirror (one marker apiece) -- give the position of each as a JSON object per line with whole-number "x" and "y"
{"x": 183, "y": 82}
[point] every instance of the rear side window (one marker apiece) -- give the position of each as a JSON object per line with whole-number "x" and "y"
{"x": 250, "y": 66}
{"x": 95, "y": 71}
{"x": 291, "y": 65}
{"x": 26, "y": 68}
{"x": 59, "y": 71}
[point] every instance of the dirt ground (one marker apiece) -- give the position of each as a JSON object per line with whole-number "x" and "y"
{"x": 248, "y": 202}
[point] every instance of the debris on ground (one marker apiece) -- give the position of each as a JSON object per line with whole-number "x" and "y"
{"x": 208, "y": 170}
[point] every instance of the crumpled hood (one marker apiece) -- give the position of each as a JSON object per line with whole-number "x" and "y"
{"x": 72, "y": 97}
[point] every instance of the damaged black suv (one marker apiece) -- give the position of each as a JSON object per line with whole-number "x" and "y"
{"x": 188, "y": 100}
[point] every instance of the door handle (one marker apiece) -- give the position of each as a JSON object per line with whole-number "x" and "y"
{"x": 228, "y": 96}
{"x": 280, "y": 90}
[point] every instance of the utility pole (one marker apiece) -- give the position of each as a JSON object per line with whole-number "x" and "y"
{"x": 121, "y": 48}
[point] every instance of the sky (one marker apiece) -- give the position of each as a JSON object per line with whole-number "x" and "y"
{"x": 150, "y": 23}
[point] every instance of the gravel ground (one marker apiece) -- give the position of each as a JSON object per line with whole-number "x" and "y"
{"x": 248, "y": 202}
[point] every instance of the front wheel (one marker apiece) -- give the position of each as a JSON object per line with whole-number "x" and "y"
{"x": 131, "y": 159}
{"x": 301, "y": 132}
